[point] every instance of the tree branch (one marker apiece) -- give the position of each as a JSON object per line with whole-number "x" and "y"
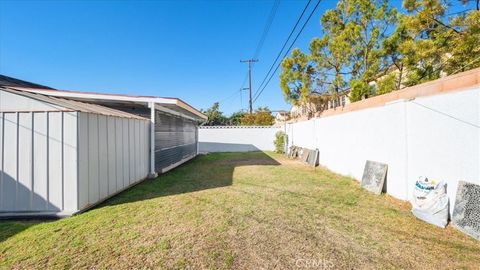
{"x": 447, "y": 26}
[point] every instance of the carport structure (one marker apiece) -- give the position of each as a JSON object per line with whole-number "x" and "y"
{"x": 62, "y": 152}
{"x": 174, "y": 123}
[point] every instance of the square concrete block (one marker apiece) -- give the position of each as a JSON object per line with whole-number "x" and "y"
{"x": 466, "y": 212}
{"x": 374, "y": 176}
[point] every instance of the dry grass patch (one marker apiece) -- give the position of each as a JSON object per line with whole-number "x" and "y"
{"x": 240, "y": 211}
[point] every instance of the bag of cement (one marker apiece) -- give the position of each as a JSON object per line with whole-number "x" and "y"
{"x": 430, "y": 201}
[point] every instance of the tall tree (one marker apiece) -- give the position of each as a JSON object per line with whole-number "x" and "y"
{"x": 437, "y": 42}
{"x": 356, "y": 29}
{"x": 235, "y": 118}
{"x": 215, "y": 116}
{"x": 464, "y": 47}
{"x": 261, "y": 117}
{"x": 370, "y": 48}
{"x": 347, "y": 56}
{"x": 296, "y": 77}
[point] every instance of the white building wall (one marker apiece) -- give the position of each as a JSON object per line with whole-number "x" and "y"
{"x": 435, "y": 136}
{"x": 236, "y": 139}
{"x": 113, "y": 155}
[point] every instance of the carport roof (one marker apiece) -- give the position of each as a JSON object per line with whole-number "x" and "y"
{"x": 174, "y": 104}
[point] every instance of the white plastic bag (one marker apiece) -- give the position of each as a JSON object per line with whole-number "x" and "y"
{"x": 430, "y": 201}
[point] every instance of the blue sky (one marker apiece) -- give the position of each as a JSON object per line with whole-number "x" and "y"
{"x": 185, "y": 49}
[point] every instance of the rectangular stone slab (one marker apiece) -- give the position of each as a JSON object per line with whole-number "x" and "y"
{"x": 374, "y": 176}
{"x": 305, "y": 153}
{"x": 313, "y": 158}
{"x": 466, "y": 212}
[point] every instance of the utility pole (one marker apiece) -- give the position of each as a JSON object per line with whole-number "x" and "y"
{"x": 241, "y": 94}
{"x": 249, "y": 61}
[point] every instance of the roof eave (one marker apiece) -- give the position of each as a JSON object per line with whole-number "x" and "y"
{"x": 114, "y": 97}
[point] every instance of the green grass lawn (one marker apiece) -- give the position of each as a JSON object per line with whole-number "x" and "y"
{"x": 240, "y": 211}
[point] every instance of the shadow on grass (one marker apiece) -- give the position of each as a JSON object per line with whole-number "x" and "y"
{"x": 9, "y": 228}
{"x": 201, "y": 173}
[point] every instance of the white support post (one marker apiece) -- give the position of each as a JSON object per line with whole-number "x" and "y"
{"x": 152, "y": 174}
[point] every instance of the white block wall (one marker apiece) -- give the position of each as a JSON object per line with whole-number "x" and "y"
{"x": 435, "y": 136}
{"x": 236, "y": 139}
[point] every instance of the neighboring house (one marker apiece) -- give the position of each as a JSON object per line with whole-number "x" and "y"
{"x": 281, "y": 117}
{"x": 341, "y": 100}
{"x": 318, "y": 103}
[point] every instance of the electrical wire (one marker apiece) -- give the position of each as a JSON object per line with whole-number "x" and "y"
{"x": 283, "y": 47}
{"x": 286, "y": 53}
{"x": 266, "y": 29}
{"x": 258, "y": 49}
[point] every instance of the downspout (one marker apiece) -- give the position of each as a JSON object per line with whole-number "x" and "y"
{"x": 152, "y": 173}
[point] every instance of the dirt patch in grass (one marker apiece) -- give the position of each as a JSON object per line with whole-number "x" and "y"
{"x": 240, "y": 211}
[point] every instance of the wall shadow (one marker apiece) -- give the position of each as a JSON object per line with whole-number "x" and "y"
{"x": 203, "y": 172}
{"x": 213, "y": 147}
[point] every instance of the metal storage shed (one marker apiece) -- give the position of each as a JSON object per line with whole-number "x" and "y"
{"x": 59, "y": 156}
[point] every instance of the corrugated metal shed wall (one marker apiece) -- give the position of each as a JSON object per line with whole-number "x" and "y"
{"x": 113, "y": 155}
{"x": 38, "y": 161}
{"x": 175, "y": 140}
{"x": 57, "y": 161}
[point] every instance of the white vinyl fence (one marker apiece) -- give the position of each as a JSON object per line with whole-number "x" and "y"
{"x": 435, "y": 136}
{"x": 236, "y": 139}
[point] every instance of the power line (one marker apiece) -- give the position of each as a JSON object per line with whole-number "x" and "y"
{"x": 266, "y": 29}
{"x": 258, "y": 49}
{"x": 233, "y": 94}
{"x": 286, "y": 53}
{"x": 284, "y": 44}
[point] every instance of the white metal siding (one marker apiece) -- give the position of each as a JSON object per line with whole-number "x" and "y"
{"x": 83, "y": 171}
{"x": 38, "y": 162}
{"x": 40, "y": 186}
{"x": 112, "y": 156}
{"x": 93, "y": 180}
{"x": 103, "y": 156}
{"x": 57, "y": 161}
{"x": 10, "y": 102}
{"x": 70, "y": 160}
{"x": 9, "y": 168}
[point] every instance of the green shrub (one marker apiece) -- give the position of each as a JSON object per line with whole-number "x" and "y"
{"x": 280, "y": 140}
